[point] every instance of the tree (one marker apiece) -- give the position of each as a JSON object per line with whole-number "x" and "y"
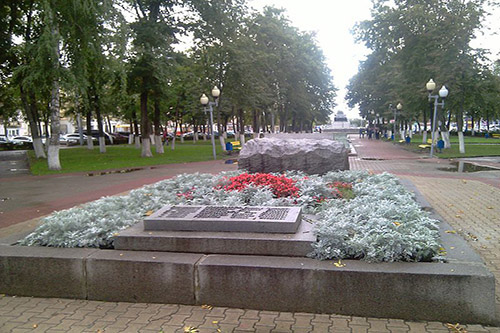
{"x": 412, "y": 42}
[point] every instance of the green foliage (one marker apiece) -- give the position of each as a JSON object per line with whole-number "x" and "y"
{"x": 413, "y": 41}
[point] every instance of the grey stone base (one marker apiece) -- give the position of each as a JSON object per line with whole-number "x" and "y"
{"x": 461, "y": 291}
{"x": 292, "y": 245}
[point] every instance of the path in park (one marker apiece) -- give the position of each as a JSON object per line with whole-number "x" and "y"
{"x": 469, "y": 202}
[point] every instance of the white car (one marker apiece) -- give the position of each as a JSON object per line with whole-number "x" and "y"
{"x": 76, "y": 137}
{"x": 19, "y": 140}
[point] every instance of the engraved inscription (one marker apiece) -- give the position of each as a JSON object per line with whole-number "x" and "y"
{"x": 274, "y": 214}
{"x": 179, "y": 212}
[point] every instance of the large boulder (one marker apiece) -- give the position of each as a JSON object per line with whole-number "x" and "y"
{"x": 309, "y": 156}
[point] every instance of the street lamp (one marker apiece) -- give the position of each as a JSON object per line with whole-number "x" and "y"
{"x": 443, "y": 93}
{"x": 204, "y": 101}
{"x": 396, "y": 110}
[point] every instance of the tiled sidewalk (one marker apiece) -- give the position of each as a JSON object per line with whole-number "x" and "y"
{"x": 24, "y": 314}
{"x": 470, "y": 206}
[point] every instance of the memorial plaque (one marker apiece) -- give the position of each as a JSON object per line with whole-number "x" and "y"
{"x": 225, "y": 218}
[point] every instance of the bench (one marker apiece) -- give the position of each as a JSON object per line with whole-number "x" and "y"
{"x": 236, "y": 145}
{"x": 428, "y": 145}
{"x": 495, "y": 135}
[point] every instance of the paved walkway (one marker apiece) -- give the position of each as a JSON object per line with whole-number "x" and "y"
{"x": 469, "y": 202}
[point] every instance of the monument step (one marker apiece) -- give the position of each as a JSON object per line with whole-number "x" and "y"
{"x": 298, "y": 244}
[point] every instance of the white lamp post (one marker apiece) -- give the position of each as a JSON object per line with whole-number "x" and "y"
{"x": 396, "y": 110}
{"x": 204, "y": 101}
{"x": 443, "y": 93}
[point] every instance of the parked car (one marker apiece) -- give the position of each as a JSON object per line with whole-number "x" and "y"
{"x": 3, "y": 139}
{"x": 19, "y": 140}
{"x": 74, "y": 138}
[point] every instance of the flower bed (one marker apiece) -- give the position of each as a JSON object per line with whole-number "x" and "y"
{"x": 362, "y": 216}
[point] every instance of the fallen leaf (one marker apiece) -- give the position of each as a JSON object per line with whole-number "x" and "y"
{"x": 488, "y": 238}
{"x": 456, "y": 328}
{"x": 215, "y": 322}
{"x": 205, "y": 306}
{"x": 458, "y": 216}
{"x": 450, "y": 231}
{"x": 460, "y": 212}
{"x": 464, "y": 181}
{"x": 450, "y": 205}
{"x": 116, "y": 234}
{"x": 489, "y": 207}
{"x": 121, "y": 254}
{"x": 149, "y": 212}
{"x": 189, "y": 329}
{"x": 339, "y": 264}
{"x": 397, "y": 224}
{"x": 35, "y": 325}
{"x": 452, "y": 247}
{"x": 153, "y": 257}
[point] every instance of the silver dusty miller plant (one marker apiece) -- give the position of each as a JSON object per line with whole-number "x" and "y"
{"x": 382, "y": 222}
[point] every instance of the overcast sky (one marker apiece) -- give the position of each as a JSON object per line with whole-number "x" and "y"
{"x": 332, "y": 20}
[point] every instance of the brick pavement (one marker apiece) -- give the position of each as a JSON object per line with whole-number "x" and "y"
{"x": 469, "y": 205}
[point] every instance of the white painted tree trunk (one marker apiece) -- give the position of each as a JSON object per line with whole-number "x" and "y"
{"x": 224, "y": 134}
{"x": 172, "y": 146}
{"x": 461, "y": 142}
{"x": 152, "y": 139}
{"x": 242, "y": 139}
{"x": 146, "y": 148}
{"x": 137, "y": 142}
{"x": 90, "y": 143}
{"x": 130, "y": 139}
{"x": 204, "y": 136}
{"x": 424, "y": 137}
{"x": 53, "y": 157}
{"x": 222, "y": 142}
{"x": 158, "y": 145}
{"x": 195, "y": 137}
{"x": 445, "y": 135}
{"x": 38, "y": 147}
{"x": 182, "y": 138}
{"x": 102, "y": 145}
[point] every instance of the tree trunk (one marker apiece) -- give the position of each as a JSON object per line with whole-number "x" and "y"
{"x": 55, "y": 128}
{"x": 31, "y": 110}
{"x": 102, "y": 141}
{"x": 146, "y": 146}
{"x": 157, "y": 128}
{"x": 90, "y": 142}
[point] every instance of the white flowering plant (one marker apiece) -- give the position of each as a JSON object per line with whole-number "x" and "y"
{"x": 360, "y": 215}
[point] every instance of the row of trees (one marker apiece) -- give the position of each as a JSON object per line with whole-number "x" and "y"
{"x": 412, "y": 41}
{"x": 118, "y": 58}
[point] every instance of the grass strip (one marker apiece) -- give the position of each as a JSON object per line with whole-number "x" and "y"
{"x": 81, "y": 159}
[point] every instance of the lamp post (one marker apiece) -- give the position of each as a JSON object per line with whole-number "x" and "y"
{"x": 395, "y": 110}
{"x": 204, "y": 101}
{"x": 443, "y": 93}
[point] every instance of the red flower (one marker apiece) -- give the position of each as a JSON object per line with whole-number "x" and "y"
{"x": 280, "y": 185}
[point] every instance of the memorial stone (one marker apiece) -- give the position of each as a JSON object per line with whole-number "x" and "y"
{"x": 278, "y": 155}
{"x": 225, "y": 218}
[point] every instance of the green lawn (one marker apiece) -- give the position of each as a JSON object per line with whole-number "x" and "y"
{"x": 454, "y": 139}
{"x": 474, "y": 147}
{"x": 80, "y": 159}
